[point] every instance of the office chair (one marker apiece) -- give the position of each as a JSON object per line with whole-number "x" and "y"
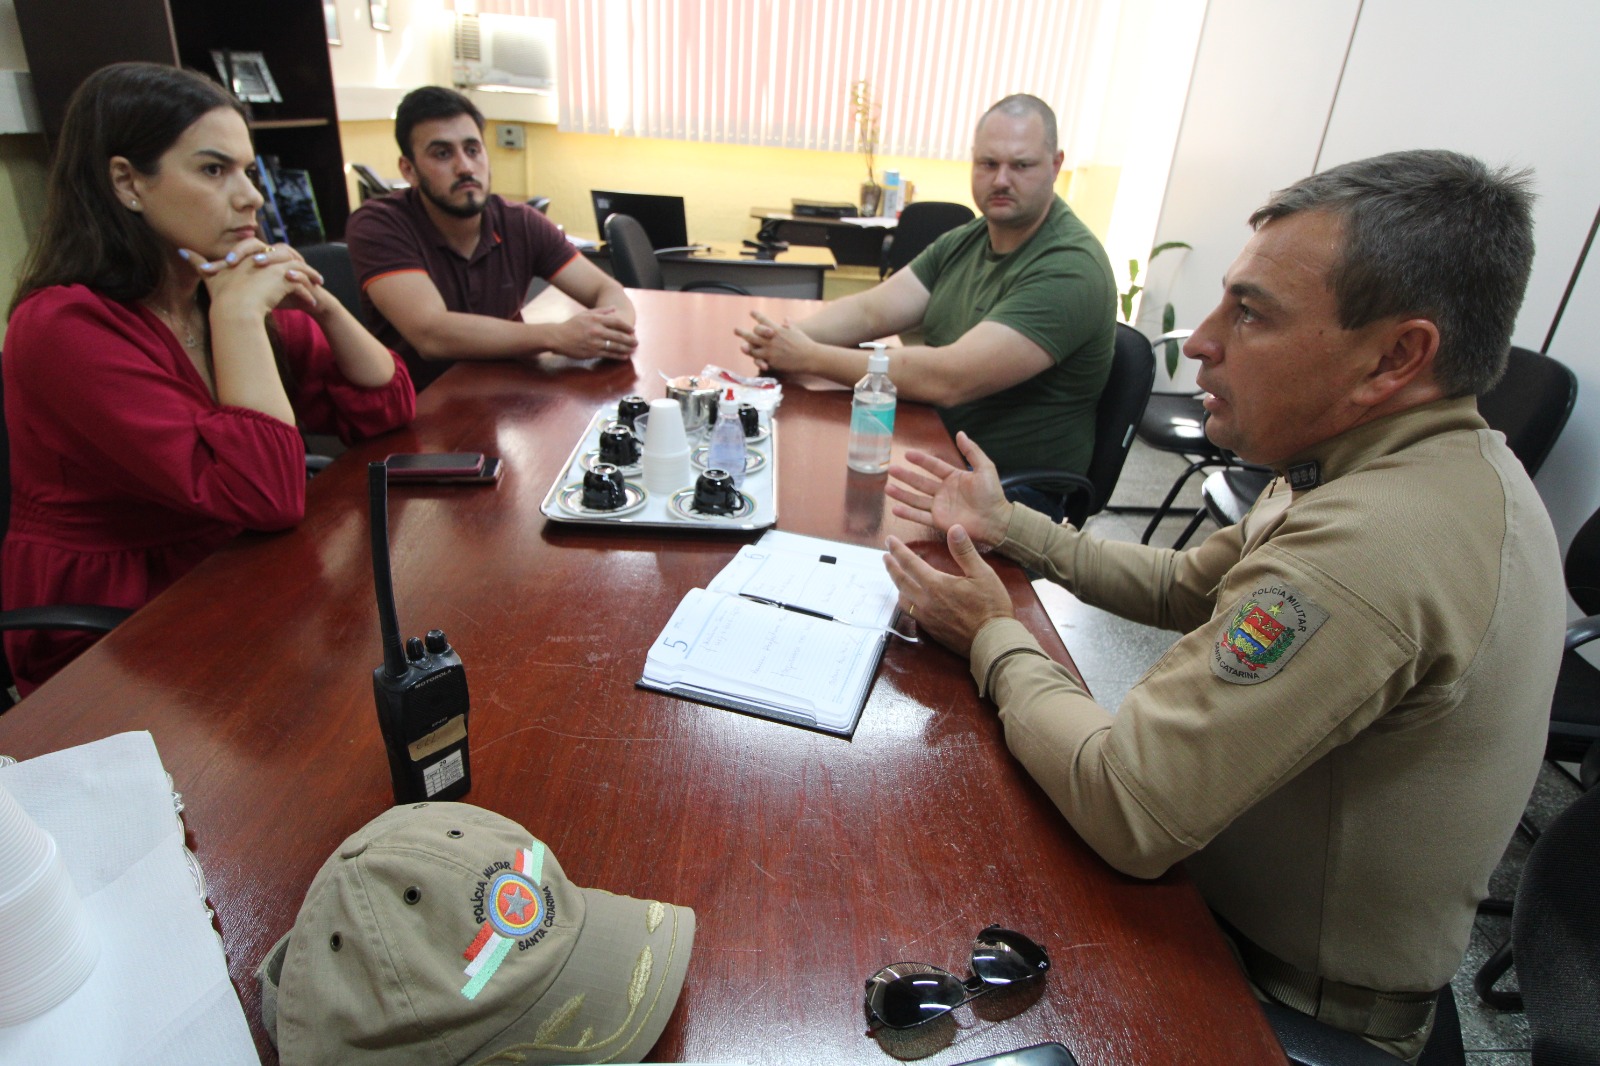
{"x": 85, "y": 617}
{"x": 1530, "y": 404}
{"x": 634, "y": 262}
{"x": 370, "y": 184}
{"x": 1175, "y": 422}
{"x": 1308, "y": 1042}
{"x": 332, "y": 261}
{"x": 1555, "y": 929}
{"x": 919, "y": 224}
{"x": 1127, "y": 388}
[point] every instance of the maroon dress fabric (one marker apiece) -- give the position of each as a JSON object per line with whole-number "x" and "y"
{"x": 125, "y": 472}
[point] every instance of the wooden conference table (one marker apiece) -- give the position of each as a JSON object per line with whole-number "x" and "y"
{"x": 810, "y": 860}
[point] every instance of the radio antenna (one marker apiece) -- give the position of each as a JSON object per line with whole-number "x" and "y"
{"x": 394, "y": 659}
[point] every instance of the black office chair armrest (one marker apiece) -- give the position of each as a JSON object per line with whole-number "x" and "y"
{"x": 1063, "y": 482}
{"x": 1582, "y": 632}
{"x": 714, "y": 286}
{"x": 95, "y": 619}
{"x": 1309, "y": 1042}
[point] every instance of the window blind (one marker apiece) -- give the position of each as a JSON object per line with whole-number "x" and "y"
{"x": 779, "y": 72}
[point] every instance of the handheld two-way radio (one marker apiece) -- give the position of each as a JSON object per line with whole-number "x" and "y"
{"x": 421, "y": 688}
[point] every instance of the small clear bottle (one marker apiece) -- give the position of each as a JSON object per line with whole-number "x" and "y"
{"x": 872, "y": 416}
{"x": 728, "y": 449}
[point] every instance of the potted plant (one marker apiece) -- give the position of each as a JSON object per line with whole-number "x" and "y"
{"x": 1169, "y": 315}
{"x": 864, "y": 116}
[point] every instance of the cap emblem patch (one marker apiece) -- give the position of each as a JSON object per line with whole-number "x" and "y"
{"x": 513, "y": 911}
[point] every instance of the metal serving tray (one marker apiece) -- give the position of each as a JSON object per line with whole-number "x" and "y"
{"x": 760, "y": 487}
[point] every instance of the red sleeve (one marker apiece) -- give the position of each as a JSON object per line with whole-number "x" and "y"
{"x": 325, "y": 401}
{"x": 94, "y": 384}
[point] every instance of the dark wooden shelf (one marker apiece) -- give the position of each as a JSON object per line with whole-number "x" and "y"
{"x": 67, "y": 40}
{"x": 288, "y": 123}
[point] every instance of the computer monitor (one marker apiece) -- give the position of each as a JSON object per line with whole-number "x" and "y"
{"x": 661, "y": 216}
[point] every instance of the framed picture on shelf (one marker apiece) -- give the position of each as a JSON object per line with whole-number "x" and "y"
{"x": 330, "y": 18}
{"x": 379, "y": 10}
{"x": 247, "y": 75}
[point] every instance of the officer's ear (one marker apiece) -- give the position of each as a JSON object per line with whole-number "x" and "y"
{"x": 1407, "y": 349}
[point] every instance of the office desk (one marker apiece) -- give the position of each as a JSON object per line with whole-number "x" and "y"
{"x": 795, "y": 274}
{"x": 858, "y": 244}
{"x": 810, "y": 860}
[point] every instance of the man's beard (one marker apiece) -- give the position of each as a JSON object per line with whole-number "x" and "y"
{"x": 471, "y": 209}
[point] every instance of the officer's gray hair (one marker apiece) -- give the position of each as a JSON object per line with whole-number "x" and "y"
{"x": 1021, "y": 105}
{"x": 1428, "y": 234}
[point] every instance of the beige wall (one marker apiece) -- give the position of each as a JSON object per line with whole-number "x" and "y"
{"x": 720, "y": 183}
{"x": 22, "y": 184}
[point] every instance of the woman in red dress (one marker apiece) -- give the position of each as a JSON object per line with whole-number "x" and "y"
{"x": 159, "y": 357}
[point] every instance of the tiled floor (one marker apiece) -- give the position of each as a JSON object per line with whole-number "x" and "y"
{"x": 1113, "y": 654}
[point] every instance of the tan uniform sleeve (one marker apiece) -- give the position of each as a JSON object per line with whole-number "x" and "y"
{"x": 1153, "y": 586}
{"x": 1188, "y": 751}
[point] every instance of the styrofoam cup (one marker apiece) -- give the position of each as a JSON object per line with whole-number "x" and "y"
{"x": 23, "y": 845}
{"x": 663, "y": 432}
{"x": 46, "y": 950}
{"x": 666, "y": 473}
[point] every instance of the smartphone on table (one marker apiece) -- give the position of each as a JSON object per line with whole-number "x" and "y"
{"x": 469, "y": 468}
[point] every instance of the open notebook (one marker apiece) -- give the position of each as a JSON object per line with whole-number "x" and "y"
{"x": 792, "y": 629}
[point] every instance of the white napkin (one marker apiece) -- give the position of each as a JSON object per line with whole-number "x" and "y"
{"x": 160, "y": 993}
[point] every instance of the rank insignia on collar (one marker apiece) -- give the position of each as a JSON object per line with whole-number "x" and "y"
{"x": 1260, "y": 637}
{"x": 1305, "y": 475}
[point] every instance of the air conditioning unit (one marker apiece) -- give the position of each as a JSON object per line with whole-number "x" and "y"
{"x": 505, "y": 53}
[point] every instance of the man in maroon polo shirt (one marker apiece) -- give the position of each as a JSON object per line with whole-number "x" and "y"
{"x": 445, "y": 265}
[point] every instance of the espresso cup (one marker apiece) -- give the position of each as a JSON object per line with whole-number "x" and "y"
{"x": 603, "y": 488}
{"x": 629, "y": 408}
{"x": 749, "y": 419}
{"x": 714, "y": 493}
{"x": 619, "y": 446}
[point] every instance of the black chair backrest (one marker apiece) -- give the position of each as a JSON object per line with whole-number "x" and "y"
{"x": 1530, "y": 405}
{"x": 1133, "y": 374}
{"x": 633, "y": 259}
{"x": 371, "y": 184}
{"x": 332, "y": 261}
{"x": 1583, "y": 566}
{"x": 920, "y": 223}
{"x": 1555, "y": 937}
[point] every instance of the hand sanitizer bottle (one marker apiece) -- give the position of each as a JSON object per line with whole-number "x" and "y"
{"x": 728, "y": 449}
{"x": 872, "y": 415}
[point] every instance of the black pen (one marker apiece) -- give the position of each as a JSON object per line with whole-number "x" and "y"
{"x": 788, "y": 607}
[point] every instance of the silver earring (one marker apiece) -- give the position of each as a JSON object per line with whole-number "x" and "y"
{"x": 133, "y": 203}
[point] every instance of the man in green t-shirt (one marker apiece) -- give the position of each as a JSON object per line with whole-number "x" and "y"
{"x": 1016, "y": 310}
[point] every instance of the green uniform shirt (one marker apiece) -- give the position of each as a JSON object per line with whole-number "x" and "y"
{"x": 1056, "y": 290}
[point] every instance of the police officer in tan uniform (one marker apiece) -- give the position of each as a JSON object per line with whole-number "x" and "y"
{"x": 1340, "y": 744}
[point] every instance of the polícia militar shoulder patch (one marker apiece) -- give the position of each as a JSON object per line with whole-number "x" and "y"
{"x": 1260, "y": 637}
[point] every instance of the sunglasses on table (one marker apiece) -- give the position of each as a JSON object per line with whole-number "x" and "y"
{"x": 907, "y": 994}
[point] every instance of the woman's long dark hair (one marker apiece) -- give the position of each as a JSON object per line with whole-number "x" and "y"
{"x": 135, "y": 110}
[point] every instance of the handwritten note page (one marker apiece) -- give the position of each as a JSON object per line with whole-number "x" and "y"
{"x": 756, "y": 652}
{"x": 847, "y": 592}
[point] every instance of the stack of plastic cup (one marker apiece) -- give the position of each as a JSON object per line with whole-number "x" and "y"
{"x": 666, "y": 449}
{"x": 46, "y": 950}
